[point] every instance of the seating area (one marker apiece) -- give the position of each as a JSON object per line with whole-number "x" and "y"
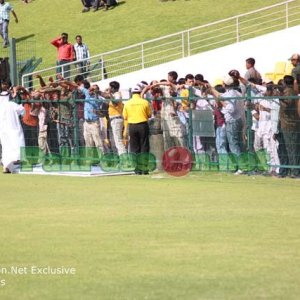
{"x": 216, "y": 63}
{"x": 281, "y": 69}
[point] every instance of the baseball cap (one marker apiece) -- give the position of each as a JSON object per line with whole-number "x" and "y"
{"x": 136, "y": 89}
{"x": 228, "y": 80}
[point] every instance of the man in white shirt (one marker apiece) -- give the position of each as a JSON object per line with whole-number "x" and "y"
{"x": 5, "y": 9}
{"x": 11, "y": 132}
{"x": 82, "y": 54}
{"x": 233, "y": 109}
{"x": 251, "y": 71}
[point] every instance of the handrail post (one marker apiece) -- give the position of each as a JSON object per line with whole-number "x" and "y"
{"x": 249, "y": 120}
{"x": 13, "y": 61}
{"x": 102, "y": 67}
{"x": 182, "y": 42}
{"x": 142, "y": 56}
{"x": 287, "y": 15}
{"x": 190, "y": 120}
{"x": 189, "y": 42}
{"x": 237, "y": 30}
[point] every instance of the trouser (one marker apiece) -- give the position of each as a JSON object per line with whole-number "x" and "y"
{"x": 139, "y": 137}
{"x": 274, "y": 159}
{"x": 174, "y": 133}
{"x": 43, "y": 145}
{"x": 139, "y": 144}
{"x": 262, "y": 141}
{"x": 4, "y": 31}
{"x": 91, "y": 133}
{"x": 291, "y": 141}
{"x": 282, "y": 154}
{"x": 117, "y": 131}
{"x": 96, "y": 3}
{"x": 0, "y": 151}
{"x": 64, "y": 139}
{"x": 86, "y": 3}
{"x": 234, "y": 133}
{"x": 104, "y": 134}
{"x": 63, "y": 69}
{"x": 197, "y": 144}
{"x": 30, "y": 135}
{"x": 82, "y": 68}
{"x": 52, "y": 138}
{"x": 221, "y": 139}
{"x": 81, "y": 140}
{"x": 112, "y": 2}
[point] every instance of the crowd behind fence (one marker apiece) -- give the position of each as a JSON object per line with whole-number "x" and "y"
{"x": 263, "y": 137}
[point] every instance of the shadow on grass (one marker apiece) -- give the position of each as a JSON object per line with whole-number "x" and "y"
{"x": 23, "y": 38}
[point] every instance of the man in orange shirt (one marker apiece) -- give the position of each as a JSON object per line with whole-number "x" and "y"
{"x": 65, "y": 55}
{"x": 30, "y": 119}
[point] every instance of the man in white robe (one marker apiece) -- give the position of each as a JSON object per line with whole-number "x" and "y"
{"x": 11, "y": 132}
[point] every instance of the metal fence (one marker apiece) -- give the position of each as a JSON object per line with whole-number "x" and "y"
{"x": 61, "y": 145}
{"x": 182, "y": 44}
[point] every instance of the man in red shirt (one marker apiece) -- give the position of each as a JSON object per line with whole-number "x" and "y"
{"x": 65, "y": 53}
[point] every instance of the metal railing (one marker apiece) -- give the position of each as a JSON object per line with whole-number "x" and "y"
{"x": 66, "y": 148}
{"x": 182, "y": 44}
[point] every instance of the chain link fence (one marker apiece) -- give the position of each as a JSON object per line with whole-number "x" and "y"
{"x": 263, "y": 139}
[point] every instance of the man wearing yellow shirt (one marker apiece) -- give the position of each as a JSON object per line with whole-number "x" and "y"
{"x": 115, "y": 111}
{"x": 136, "y": 112}
{"x": 184, "y": 94}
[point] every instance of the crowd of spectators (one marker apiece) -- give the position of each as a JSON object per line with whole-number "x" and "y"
{"x": 98, "y": 4}
{"x": 67, "y": 53}
{"x": 62, "y": 115}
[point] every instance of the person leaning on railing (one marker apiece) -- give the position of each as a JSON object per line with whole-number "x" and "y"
{"x": 251, "y": 71}
{"x": 115, "y": 110}
{"x": 231, "y": 108}
{"x": 30, "y": 119}
{"x": 11, "y": 132}
{"x": 137, "y": 111}
{"x": 295, "y": 60}
{"x": 65, "y": 54}
{"x": 289, "y": 116}
{"x": 82, "y": 54}
{"x": 91, "y": 126}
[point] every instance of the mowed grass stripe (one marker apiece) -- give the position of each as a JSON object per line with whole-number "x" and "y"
{"x": 198, "y": 237}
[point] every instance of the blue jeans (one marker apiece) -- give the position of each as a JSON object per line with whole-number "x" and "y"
{"x": 64, "y": 70}
{"x": 4, "y": 31}
{"x": 82, "y": 68}
{"x": 234, "y": 135}
{"x": 221, "y": 140}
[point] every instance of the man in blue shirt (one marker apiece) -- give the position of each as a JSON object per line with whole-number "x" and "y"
{"x": 91, "y": 125}
{"x": 5, "y": 9}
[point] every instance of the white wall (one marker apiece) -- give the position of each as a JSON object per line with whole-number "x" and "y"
{"x": 214, "y": 64}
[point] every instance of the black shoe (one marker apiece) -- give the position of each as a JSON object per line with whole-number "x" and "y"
{"x": 6, "y": 171}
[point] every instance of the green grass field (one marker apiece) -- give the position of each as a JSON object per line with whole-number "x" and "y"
{"x": 204, "y": 236}
{"x": 133, "y": 21}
